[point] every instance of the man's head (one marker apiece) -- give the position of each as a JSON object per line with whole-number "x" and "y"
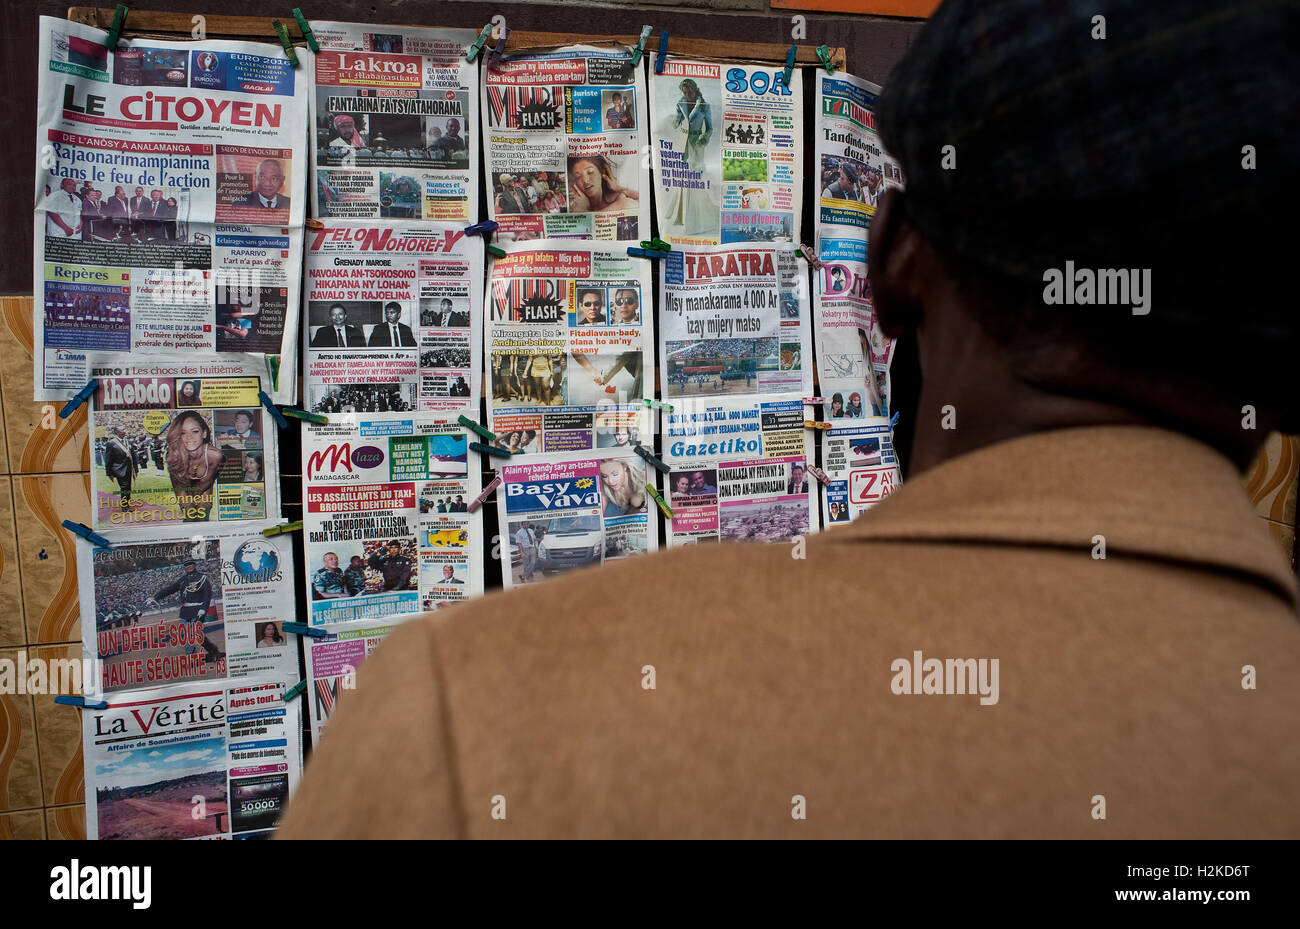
{"x": 270, "y": 177}
{"x": 331, "y": 561}
{"x": 119, "y": 192}
{"x": 448, "y": 571}
{"x": 243, "y": 421}
{"x": 796, "y": 475}
{"x": 453, "y": 127}
{"x": 155, "y": 194}
{"x": 139, "y": 191}
{"x": 345, "y": 126}
{"x": 392, "y": 312}
{"x": 68, "y": 185}
{"x": 697, "y": 480}
{"x": 191, "y": 566}
{"x": 1149, "y": 193}
{"x": 445, "y": 305}
{"x": 589, "y": 304}
{"x": 394, "y": 548}
{"x": 338, "y": 314}
{"x": 617, "y": 101}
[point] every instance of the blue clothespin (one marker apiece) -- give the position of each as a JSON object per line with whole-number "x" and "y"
{"x": 893, "y": 421}
{"x": 472, "y": 52}
{"x": 489, "y": 450}
{"x": 647, "y": 253}
{"x": 501, "y": 45}
{"x": 285, "y": 42}
{"x": 115, "y": 30}
{"x": 270, "y": 405}
{"x": 82, "y": 396}
{"x": 87, "y": 533}
{"x": 789, "y": 63}
{"x": 485, "y": 228}
{"x": 81, "y": 702}
{"x": 306, "y": 30}
{"x": 663, "y": 52}
{"x": 304, "y": 629}
{"x": 650, "y": 458}
{"x": 640, "y": 46}
{"x": 824, "y": 53}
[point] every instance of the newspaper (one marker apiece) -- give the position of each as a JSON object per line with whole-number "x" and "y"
{"x": 735, "y": 428}
{"x": 570, "y": 347}
{"x": 192, "y": 761}
{"x": 165, "y": 215}
{"x": 394, "y": 129}
{"x": 561, "y": 512}
{"x": 728, "y": 152}
{"x": 565, "y": 134}
{"x": 178, "y": 441}
{"x": 859, "y": 459}
{"x": 392, "y": 321}
{"x": 168, "y": 606}
{"x": 332, "y": 664}
{"x": 387, "y": 524}
{"x": 853, "y": 171}
{"x": 734, "y": 319}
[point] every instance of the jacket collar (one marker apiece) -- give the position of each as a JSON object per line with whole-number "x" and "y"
{"x": 1150, "y": 492}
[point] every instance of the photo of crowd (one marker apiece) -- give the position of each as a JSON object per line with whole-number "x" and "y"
{"x": 445, "y": 358}
{"x": 529, "y": 380}
{"x": 363, "y": 398}
{"x": 716, "y": 366}
{"x": 127, "y": 215}
{"x": 849, "y": 179}
{"x": 531, "y": 192}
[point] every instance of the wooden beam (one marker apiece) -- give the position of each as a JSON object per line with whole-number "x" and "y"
{"x": 153, "y": 24}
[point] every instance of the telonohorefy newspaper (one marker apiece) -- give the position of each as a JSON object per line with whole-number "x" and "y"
{"x": 394, "y": 128}
{"x": 165, "y": 216}
{"x": 728, "y": 152}
{"x": 392, "y": 319}
{"x": 565, "y": 147}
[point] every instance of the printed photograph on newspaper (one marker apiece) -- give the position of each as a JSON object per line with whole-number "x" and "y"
{"x": 570, "y": 347}
{"x": 754, "y": 500}
{"x": 192, "y": 761}
{"x": 728, "y": 149}
{"x": 167, "y": 606}
{"x": 394, "y": 127}
{"x": 165, "y": 219}
{"x": 859, "y": 459}
{"x": 178, "y": 441}
{"x": 565, "y": 148}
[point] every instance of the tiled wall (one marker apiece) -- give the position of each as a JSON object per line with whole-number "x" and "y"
{"x": 44, "y": 480}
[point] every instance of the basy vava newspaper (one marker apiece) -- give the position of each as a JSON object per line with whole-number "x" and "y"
{"x": 565, "y": 145}
{"x": 394, "y": 123}
{"x": 570, "y": 336}
{"x": 561, "y": 512}
{"x": 386, "y": 519}
{"x": 392, "y": 320}
{"x": 165, "y": 215}
{"x": 192, "y": 761}
{"x": 166, "y": 606}
{"x": 728, "y": 149}
{"x": 180, "y": 441}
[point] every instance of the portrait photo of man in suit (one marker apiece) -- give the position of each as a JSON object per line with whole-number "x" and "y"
{"x": 266, "y": 195}
{"x": 392, "y": 331}
{"x": 338, "y": 334}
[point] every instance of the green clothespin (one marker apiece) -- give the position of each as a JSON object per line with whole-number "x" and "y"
{"x": 473, "y": 51}
{"x": 115, "y": 30}
{"x": 285, "y": 41}
{"x": 306, "y": 29}
{"x": 656, "y": 245}
{"x": 293, "y": 691}
{"x": 304, "y": 415}
{"x": 789, "y": 64}
{"x": 496, "y": 252}
{"x": 281, "y": 530}
{"x": 824, "y": 53}
{"x": 640, "y": 46}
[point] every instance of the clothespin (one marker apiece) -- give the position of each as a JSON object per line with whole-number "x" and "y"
{"x": 496, "y": 252}
{"x": 485, "y": 228}
{"x": 270, "y": 405}
{"x": 658, "y": 404}
{"x": 808, "y": 253}
{"x": 115, "y": 30}
{"x": 304, "y": 415}
{"x": 893, "y": 421}
{"x": 87, "y": 533}
{"x": 789, "y": 63}
{"x": 640, "y": 46}
{"x": 489, "y": 450}
{"x": 659, "y": 501}
{"x": 814, "y": 424}
{"x": 824, "y": 53}
{"x": 663, "y": 52}
{"x": 472, "y": 426}
{"x": 501, "y": 46}
{"x": 82, "y": 396}
{"x": 81, "y": 702}
{"x": 485, "y": 496}
{"x": 312, "y": 223}
{"x": 818, "y": 473}
{"x": 282, "y": 529}
{"x": 646, "y": 253}
{"x": 293, "y": 691}
{"x": 650, "y": 458}
{"x": 304, "y": 629}
{"x": 472, "y": 52}
{"x": 815, "y": 401}
{"x": 285, "y": 41}
{"x": 306, "y": 30}
{"x": 656, "y": 244}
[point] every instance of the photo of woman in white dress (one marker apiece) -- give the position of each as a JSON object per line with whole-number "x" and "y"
{"x": 692, "y": 210}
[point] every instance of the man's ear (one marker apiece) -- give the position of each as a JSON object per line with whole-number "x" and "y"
{"x": 892, "y": 265}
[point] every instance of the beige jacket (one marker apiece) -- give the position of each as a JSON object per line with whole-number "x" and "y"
{"x": 774, "y": 676}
